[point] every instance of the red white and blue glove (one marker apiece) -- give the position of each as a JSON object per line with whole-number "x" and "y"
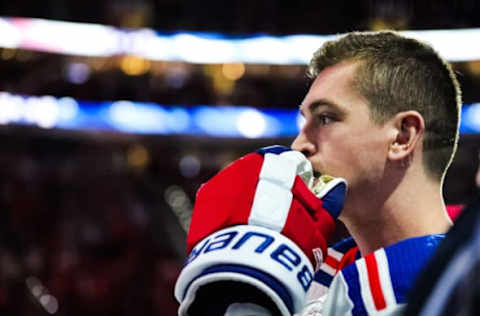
{"x": 258, "y": 224}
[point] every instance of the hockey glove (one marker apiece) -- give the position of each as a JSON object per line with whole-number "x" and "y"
{"x": 258, "y": 223}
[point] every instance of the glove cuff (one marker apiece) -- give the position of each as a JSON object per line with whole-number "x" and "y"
{"x": 253, "y": 255}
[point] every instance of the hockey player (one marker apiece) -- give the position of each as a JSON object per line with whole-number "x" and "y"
{"x": 382, "y": 115}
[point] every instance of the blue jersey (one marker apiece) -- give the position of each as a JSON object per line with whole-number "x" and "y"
{"x": 348, "y": 284}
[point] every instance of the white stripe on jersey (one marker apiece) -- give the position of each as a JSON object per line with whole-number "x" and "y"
{"x": 328, "y": 269}
{"x": 365, "y": 287}
{"x": 384, "y": 276}
{"x": 335, "y": 254}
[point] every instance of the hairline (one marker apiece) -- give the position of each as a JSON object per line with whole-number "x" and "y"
{"x": 360, "y": 62}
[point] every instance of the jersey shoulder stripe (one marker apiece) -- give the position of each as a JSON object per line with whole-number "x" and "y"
{"x": 374, "y": 282}
{"x": 382, "y": 279}
{"x": 336, "y": 260}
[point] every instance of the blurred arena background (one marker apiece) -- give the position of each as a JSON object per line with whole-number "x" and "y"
{"x": 103, "y": 147}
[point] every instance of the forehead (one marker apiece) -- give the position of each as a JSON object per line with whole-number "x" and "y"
{"x": 334, "y": 83}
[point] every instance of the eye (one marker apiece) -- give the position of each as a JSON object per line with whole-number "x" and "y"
{"x": 324, "y": 119}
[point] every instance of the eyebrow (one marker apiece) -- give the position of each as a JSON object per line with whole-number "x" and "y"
{"x": 321, "y": 102}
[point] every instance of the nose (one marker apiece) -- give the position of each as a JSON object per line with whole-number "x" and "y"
{"x": 302, "y": 144}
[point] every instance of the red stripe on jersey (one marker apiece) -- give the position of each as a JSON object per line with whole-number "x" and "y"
{"x": 348, "y": 258}
{"x": 331, "y": 261}
{"x": 374, "y": 282}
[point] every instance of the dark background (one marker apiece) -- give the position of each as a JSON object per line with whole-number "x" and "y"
{"x": 87, "y": 218}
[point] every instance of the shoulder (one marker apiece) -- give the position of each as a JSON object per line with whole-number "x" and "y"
{"x": 346, "y": 283}
{"x": 381, "y": 280}
{"x": 338, "y": 257}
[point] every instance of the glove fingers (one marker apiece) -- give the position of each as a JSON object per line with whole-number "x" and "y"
{"x": 273, "y": 196}
{"x": 302, "y": 228}
{"x": 230, "y": 195}
{"x": 274, "y": 149}
{"x": 309, "y": 216}
{"x": 333, "y": 196}
{"x": 303, "y": 194}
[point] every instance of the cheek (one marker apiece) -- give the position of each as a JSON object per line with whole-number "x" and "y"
{"x": 349, "y": 162}
{"x": 339, "y": 159}
{"x": 349, "y": 152}
{"x": 354, "y": 159}
{"x": 368, "y": 161}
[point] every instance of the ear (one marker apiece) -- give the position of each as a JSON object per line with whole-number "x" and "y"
{"x": 408, "y": 128}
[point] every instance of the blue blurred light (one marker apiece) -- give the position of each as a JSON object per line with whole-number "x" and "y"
{"x": 178, "y": 120}
{"x": 215, "y": 121}
{"x": 150, "y": 118}
{"x": 470, "y": 123}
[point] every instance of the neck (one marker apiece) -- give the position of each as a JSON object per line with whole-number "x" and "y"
{"x": 394, "y": 215}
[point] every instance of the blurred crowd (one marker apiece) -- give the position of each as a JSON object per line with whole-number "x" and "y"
{"x": 170, "y": 83}
{"x": 87, "y": 224}
{"x": 81, "y": 233}
{"x": 107, "y": 79}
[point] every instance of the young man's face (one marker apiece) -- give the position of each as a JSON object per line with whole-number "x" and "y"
{"x": 338, "y": 137}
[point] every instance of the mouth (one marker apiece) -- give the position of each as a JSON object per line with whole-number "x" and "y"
{"x": 317, "y": 174}
{"x": 316, "y": 178}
